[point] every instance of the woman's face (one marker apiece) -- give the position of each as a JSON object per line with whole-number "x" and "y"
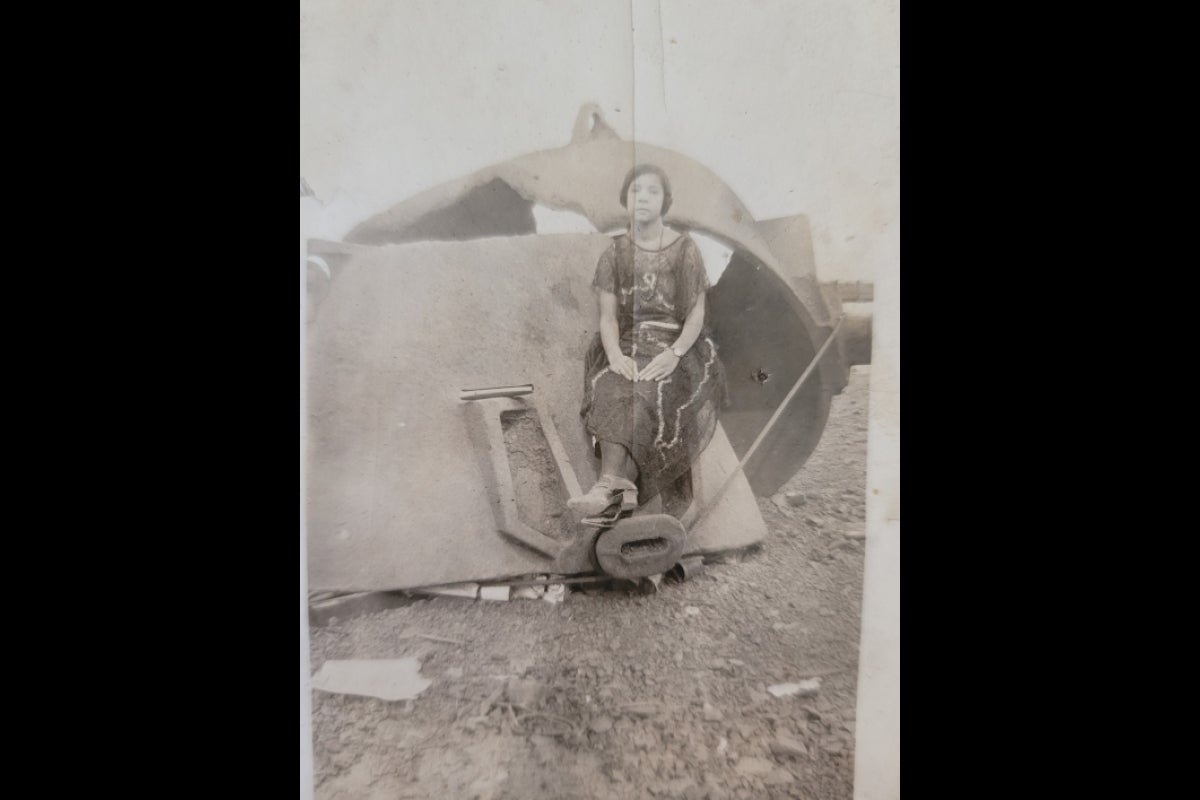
{"x": 645, "y": 198}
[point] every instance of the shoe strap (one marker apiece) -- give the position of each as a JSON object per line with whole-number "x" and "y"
{"x": 617, "y": 482}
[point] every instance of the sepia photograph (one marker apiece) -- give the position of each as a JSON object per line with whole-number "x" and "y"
{"x": 599, "y": 399}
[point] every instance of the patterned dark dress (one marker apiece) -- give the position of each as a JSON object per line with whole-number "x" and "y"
{"x": 665, "y": 424}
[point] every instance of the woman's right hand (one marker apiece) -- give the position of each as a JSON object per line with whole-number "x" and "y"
{"x": 624, "y": 366}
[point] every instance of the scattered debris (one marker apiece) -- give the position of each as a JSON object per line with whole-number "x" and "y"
{"x": 555, "y": 593}
{"x": 787, "y": 747}
{"x": 687, "y": 569}
{"x": 667, "y": 665}
{"x": 805, "y": 688}
{"x": 796, "y": 499}
{"x": 493, "y": 593}
{"x": 386, "y": 678}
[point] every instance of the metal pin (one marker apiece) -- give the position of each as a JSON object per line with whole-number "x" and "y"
{"x": 496, "y": 391}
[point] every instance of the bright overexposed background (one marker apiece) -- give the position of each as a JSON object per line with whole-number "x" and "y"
{"x": 794, "y": 104}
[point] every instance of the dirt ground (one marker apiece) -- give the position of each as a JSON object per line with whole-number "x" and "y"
{"x": 616, "y": 694}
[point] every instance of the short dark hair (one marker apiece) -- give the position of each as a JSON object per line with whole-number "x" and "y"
{"x": 647, "y": 169}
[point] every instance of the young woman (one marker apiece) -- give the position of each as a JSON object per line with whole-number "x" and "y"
{"x": 652, "y": 378}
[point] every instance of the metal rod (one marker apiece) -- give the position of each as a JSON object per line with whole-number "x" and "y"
{"x": 496, "y": 391}
{"x": 555, "y": 581}
{"x": 771, "y": 422}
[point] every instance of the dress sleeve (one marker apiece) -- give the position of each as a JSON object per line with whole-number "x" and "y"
{"x": 606, "y": 271}
{"x": 692, "y": 279}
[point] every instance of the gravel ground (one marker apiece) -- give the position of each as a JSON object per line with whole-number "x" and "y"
{"x": 617, "y": 694}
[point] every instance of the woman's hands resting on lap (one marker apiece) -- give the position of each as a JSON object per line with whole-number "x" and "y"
{"x": 659, "y": 367}
{"x": 624, "y": 366}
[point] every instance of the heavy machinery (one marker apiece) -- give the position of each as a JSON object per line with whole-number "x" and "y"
{"x": 445, "y": 367}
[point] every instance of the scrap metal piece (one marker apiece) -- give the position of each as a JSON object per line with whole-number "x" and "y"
{"x": 500, "y": 593}
{"x": 642, "y": 546}
{"x": 687, "y": 568}
{"x": 386, "y": 678}
{"x": 496, "y": 391}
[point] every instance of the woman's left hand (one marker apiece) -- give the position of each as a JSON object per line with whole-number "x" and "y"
{"x": 659, "y": 367}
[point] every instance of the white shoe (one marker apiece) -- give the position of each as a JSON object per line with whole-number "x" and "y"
{"x": 607, "y": 491}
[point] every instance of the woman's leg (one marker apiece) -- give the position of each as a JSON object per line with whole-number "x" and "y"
{"x": 615, "y": 460}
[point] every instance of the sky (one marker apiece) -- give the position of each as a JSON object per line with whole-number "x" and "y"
{"x": 795, "y": 105}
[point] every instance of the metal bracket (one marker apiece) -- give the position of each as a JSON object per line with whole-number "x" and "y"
{"x": 487, "y": 434}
